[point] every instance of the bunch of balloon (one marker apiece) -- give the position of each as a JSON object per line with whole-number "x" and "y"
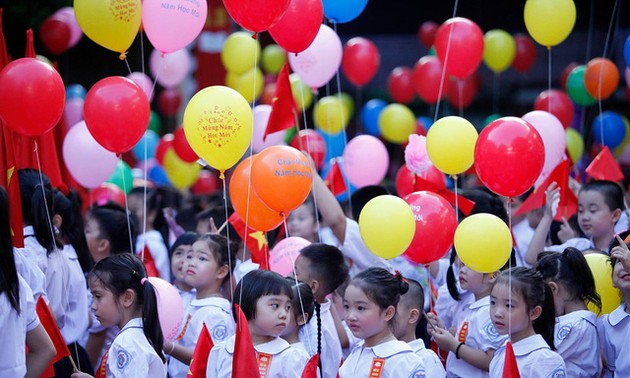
{"x": 400, "y": 85}
{"x": 557, "y": 103}
{"x": 318, "y": 63}
{"x": 396, "y": 122}
{"x": 185, "y": 16}
{"x": 459, "y": 45}
{"x": 60, "y": 31}
{"x": 483, "y": 242}
{"x": 361, "y": 60}
{"x": 499, "y": 50}
{"x": 525, "y": 55}
{"x": 218, "y": 125}
{"x": 298, "y": 27}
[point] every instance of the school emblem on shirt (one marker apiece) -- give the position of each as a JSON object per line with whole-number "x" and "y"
{"x": 462, "y": 333}
{"x": 122, "y": 359}
{"x": 219, "y": 332}
{"x": 558, "y": 373}
{"x": 377, "y": 367}
{"x": 491, "y": 331}
{"x": 564, "y": 332}
{"x": 264, "y": 362}
{"x": 418, "y": 374}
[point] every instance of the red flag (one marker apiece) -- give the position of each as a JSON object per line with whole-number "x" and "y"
{"x": 50, "y": 325}
{"x": 244, "y": 362}
{"x": 149, "y": 263}
{"x": 334, "y": 178}
{"x": 283, "y": 105}
{"x": 464, "y": 204}
{"x": 255, "y": 241}
{"x": 199, "y": 360}
{"x": 310, "y": 370}
{"x": 510, "y": 368}
{"x": 604, "y": 167}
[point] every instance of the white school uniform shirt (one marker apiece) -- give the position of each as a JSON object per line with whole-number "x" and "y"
{"x": 77, "y": 315}
{"x": 534, "y": 359}
{"x": 448, "y": 309}
{"x": 131, "y": 355}
{"x": 580, "y": 244}
{"x": 187, "y": 297}
{"x": 331, "y": 354}
{"x": 285, "y": 361}
{"x": 523, "y": 234}
{"x": 432, "y": 364}
{"x": 576, "y": 340}
{"x": 217, "y": 314}
{"x": 154, "y": 241}
{"x": 352, "y": 340}
{"x": 14, "y": 329}
{"x": 614, "y": 337}
{"x": 241, "y": 268}
{"x": 399, "y": 361}
{"x": 477, "y": 331}
{"x": 31, "y": 273}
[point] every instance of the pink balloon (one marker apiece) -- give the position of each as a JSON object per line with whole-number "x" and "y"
{"x": 282, "y": 256}
{"x": 365, "y": 160}
{"x": 172, "y": 24}
{"x": 554, "y": 139}
{"x": 88, "y": 162}
{"x": 170, "y": 308}
{"x": 144, "y": 82}
{"x": 261, "y": 118}
{"x": 320, "y": 61}
{"x": 73, "y": 111}
{"x": 67, "y": 15}
{"x": 170, "y": 69}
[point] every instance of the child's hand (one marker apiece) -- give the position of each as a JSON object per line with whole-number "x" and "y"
{"x": 566, "y": 231}
{"x": 622, "y": 253}
{"x": 553, "y": 199}
{"x": 433, "y": 323}
{"x": 444, "y": 339}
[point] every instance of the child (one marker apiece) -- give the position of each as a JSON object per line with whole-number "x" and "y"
{"x": 123, "y": 297}
{"x": 180, "y": 249}
{"x": 370, "y": 302}
{"x": 472, "y": 346}
{"x": 614, "y": 328}
{"x": 20, "y": 325}
{"x": 107, "y": 230}
{"x": 521, "y": 305}
{"x": 303, "y": 306}
{"x": 408, "y": 313}
{"x": 265, "y": 298}
{"x": 207, "y": 268}
{"x": 572, "y": 284}
{"x": 600, "y": 205}
{"x": 323, "y": 268}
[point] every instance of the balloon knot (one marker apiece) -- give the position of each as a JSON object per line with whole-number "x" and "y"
{"x": 122, "y": 56}
{"x": 221, "y": 175}
{"x": 255, "y": 36}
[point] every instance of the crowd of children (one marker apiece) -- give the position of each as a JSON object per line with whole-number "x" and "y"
{"x": 356, "y": 311}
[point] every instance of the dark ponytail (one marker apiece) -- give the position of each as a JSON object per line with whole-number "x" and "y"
{"x": 72, "y": 228}
{"x": 451, "y": 282}
{"x": 545, "y": 324}
{"x": 9, "y": 282}
{"x": 318, "y": 314}
{"x": 151, "y": 319}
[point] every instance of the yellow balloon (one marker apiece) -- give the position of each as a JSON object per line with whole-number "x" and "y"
{"x": 575, "y": 144}
{"x": 619, "y": 149}
{"x": 483, "y": 242}
{"x": 181, "y": 174}
{"x": 218, "y": 125}
{"x": 329, "y": 115}
{"x": 451, "y": 144}
{"x": 602, "y": 273}
{"x": 244, "y": 83}
{"x": 302, "y": 93}
{"x": 549, "y": 22}
{"x": 273, "y": 58}
{"x": 396, "y": 123}
{"x": 111, "y": 24}
{"x": 387, "y": 226}
{"x": 499, "y": 50}
{"x": 240, "y": 53}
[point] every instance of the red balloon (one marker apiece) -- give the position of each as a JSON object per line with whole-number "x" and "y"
{"x": 525, "y": 53}
{"x": 407, "y": 183}
{"x": 557, "y": 103}
{"x": 207, "y": 183}
{"x": 360, "y": 61}
{"x": 169, "y": 101}
{"x": 297, "y": 29}
{"x": 32, "y": 96}
{"x": 314, "y": 143}
{"x": 565, "y": 74}
{"x": 182, "y": 148}
{"x": 509, "y": 156}
{"x": 166, "y": 143}
{"x": 107, "y": 192}
{"x": 426, "y": 79}
{"x": 434, "y": 217}
{"x": 426, "y": 33}
{"x": 117, "y": 113}
{"x": 400, "y": 85}
{"x": 256, "y": 15}
{"x": 55, "y": 35}
{"x": 462, "y": 92}
{"x": 465, "y": 48}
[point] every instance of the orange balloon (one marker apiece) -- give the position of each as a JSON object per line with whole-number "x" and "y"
{"x": 604, "y": 71}
{"x": 282, "y": 177}
{"x": 260, "y": 216}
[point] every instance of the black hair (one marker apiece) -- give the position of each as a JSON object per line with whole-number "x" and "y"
{"x": 381, "y": 286}
{"x": 114, "y": 226}
{"x": 612, "y": 193}
{"x": 614, "y": 243}
{"x": 326, "y": 264}
{"x": 156, "y": 200}
{"x": 364, "y": 195}
{"x": 218, "y": 245}
{"x": 255, "y": 285}
{"x": 414, "y": 298}
{"x": 304, "y": 303}
{"x": 570, "y": 268}
{"x": 535, "y": 291}
{"x": 187, "y": 238}
{"x": 9, "y": 282}
{"x": 121, "y": 272}
{"x": 72, "y": 228}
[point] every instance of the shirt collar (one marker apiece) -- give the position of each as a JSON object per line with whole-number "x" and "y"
{"x": 485, "y": 301}
{"x": 618, "y": 315}
{"x": 417, "y": 345}
{"x": 529, "y": 344}
{"x": 389, "y": 348}
{"x": 133, "y": 323}
{"x": 274, "y": 346}
{"x": 221, "y": 302}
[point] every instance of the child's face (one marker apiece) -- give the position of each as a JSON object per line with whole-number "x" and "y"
{"x": 364, "y": 317}
{"x": 178, "y": 260}
{"x": 201, "y": 268}
{"x": 95, "y": 242}
{"x": 104, "y": 304}
{"x": 506, "y": 311}
{"x": 272, "y": 316}
{"x": 136, "y": 207}
{"x": 594, "y": 216}
{"x": 621, "y": 278}
{"x": 302, "y": 223}
{"x": 473, "y": 281}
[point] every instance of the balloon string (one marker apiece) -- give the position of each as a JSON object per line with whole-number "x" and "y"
{"x": 601, "y": 73}
{"x": 227, "y": 233}
{"x": 127, "y": 64}
{"x": 589, "y": 35}
{"x": 454, "y": 177}
{"x": 509, "y": 212}
{"x": 443, "y": 75}
{"x": 127, "y": 212}
{"x": 495, "y": 92}
{"x": 549, "y": 70}
{"x": 345, "y": 143}
{"x": 142, "y": 50}
{"x": 156, "y": 76}
{"x": 460, "y": 94}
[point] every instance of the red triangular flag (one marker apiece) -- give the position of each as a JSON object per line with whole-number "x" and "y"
{"x": 255, "y": 241}
{"x": 310, "y": 370}
{"x": 604, "y": 167}
{"x": 334, "y": 178}
{"x": 464, "y": 204}
{"x": 199, "y": 360}
{"x": 283, "y": 105}
{"x": 244, "y": 362}
{"x": 149, "y": 263}
{"x": 50, "y": 325}
{"x": 510, "y": 368}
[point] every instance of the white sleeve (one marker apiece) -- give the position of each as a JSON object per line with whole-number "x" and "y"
{"x": 56, "y": 286}
{"x": 220, "y": 325}
{"x": 31, "y": 273}
{"x": 29, "y": 310}
{"x": 579, "y": 243}
{"x": 219, "y": 362}
{"x": 293, "y": 362}
{"x": 125, "y": 362}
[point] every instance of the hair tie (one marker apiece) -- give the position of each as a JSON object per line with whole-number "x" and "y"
{"x": 142, "y": 281}
{"x": 399, "y": 276}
